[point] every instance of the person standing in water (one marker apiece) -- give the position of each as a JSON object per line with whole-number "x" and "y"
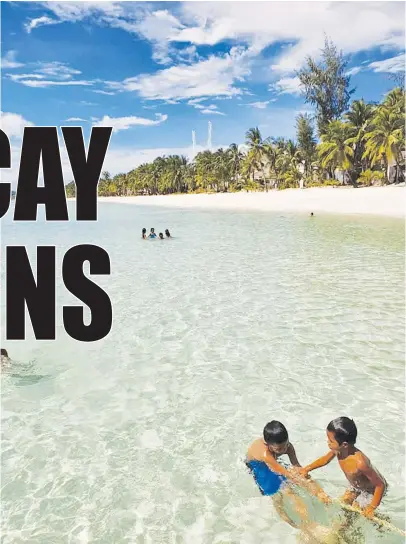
{"x": 144, "y": 234}
{"x": 152, "y": 233}
{"x": 4, "y": 357}
{"x": 167, "y": 233}
{"x": 161, "y": 236}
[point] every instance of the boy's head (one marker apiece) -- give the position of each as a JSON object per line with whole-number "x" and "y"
{"x": 341, "y": 432}
{"x": 276, "y": 437}
{"x": 161, "y": 235}
{"x": 4, "y": 353}
{"x": 152, "y": 230}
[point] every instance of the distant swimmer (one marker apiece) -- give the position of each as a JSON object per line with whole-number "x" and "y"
{"x": 144, "y": 234}
{"x": 152, "y": 234}
{"x": 161, "y": 236}
{"x": 312, "y": 214}
{"x": 167, "y": 233}
{"x": 4, "y": 357}
{"x": 367, "y": 486}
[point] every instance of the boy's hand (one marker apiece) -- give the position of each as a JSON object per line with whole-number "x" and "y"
{"x": 369, "y": 512}
{"x": 303, "y": 472}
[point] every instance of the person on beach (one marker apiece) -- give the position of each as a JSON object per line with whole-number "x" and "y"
{"x": 272, "y": 478}
{"x": 152, "y": 233}
{"x": 144, "y": 234}
{"x": 367, "y": 485}
{"x": 167, "y": 233}
{"x": 161, "y": 236}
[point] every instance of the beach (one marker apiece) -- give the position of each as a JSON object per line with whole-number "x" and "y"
{"x": 379, "y": 201}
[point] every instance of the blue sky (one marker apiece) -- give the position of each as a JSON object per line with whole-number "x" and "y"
{"x": 156, "y": 71}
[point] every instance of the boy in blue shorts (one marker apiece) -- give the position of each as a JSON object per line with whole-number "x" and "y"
{"x": 272, "y": 478}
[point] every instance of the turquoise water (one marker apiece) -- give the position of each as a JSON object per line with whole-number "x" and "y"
{"x": 239, "y": 319}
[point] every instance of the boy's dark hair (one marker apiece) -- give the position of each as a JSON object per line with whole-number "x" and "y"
{"x": 344, "y": 430}
{"x": 4, "y": 352}
{"x": 275, "y": 433}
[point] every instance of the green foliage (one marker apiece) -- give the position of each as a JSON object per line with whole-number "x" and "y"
{"x": 325, "y": 85}
{"x": 360, "y": 144}
{"x": 371, "y": 177}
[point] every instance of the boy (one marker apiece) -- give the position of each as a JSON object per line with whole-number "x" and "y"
{"x": 271, "y": 477}
{"x": 366, "y": 484}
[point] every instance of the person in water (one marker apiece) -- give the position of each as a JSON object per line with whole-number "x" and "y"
{"x": 272, "y": 478}
{"x": 367, "y": 486}
{"x": 167, "y": 233}
{"x": 161, "y": 236}
{"x": 152, "y": 234}
{"x": 4, "y": 357}
{"x": 144, "y": 234}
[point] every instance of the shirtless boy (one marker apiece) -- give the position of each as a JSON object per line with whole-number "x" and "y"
{"x": 271, "y": 477}
{"x": 367, "y": 486}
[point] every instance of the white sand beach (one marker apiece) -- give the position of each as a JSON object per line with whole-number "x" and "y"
{"x": 383, "y": 201}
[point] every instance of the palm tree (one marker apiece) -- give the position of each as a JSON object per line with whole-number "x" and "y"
{"x": 385, "y": 140}
{"x": 359, "y": 116}
{"x": 333, "y": 150}
{"x": 235, "y": 157}
{"x": 256, "y": 151}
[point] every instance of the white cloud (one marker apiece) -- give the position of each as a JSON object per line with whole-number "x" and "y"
{"x": 212, "y": 112}
{"x": 74, "y": 119}
{"x": 259, "y": 105}
{"x": 58, "y": 70}
{"x": 85, "y": 103}
{"x": 61, "y": 73}
{"x": 391, "y": 65}
{"x": 110, "y": 93}
{"x": 354, "y": 71}
{"x": 9, "y": 61}
{"x": 124, "y": 123}
{"x": 13, "y": 124}
{"x": 211, "y": 77}
{"x": 40, "y": 21}
{"x": 353, "y": 27}
{"x": 286, "y": 85}
{"x": 48, "y": 83}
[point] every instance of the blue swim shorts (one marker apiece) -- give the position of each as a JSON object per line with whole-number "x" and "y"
{"x": 268, "y": 482}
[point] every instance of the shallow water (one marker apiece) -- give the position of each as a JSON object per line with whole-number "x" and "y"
{"x": 239, "y": 319}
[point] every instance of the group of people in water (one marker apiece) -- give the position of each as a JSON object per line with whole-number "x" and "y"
{"x": 367, "y": 486}
{"x": 153, "y": 235}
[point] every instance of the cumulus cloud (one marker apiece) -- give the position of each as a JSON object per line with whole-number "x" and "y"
{"x": 286, "y": 85}
{"x": 207, "y": 78}
{"x": 13, "y": 124}
{"x": 9, "y": 61}
{"x": 353, "y": 27}
{"x": 75, "y": 119}
{"x": 124, "y": 123}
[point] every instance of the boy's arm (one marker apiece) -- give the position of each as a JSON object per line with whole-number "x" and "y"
{"x": 321, "y": 462}
{"x": 376, "y": 480}
{"x": 275, "y": 466}
{"x": 292, "y": 456}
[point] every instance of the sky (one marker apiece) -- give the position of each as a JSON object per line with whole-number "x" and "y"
{"x": 156, "y": 71}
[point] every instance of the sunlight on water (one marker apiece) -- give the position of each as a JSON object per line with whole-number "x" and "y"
{"x": 240, "y": 319}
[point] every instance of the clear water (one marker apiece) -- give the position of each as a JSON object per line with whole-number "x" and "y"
{"x": 240, "y": 319}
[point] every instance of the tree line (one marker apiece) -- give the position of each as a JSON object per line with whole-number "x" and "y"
{"x": 348, "y": 142}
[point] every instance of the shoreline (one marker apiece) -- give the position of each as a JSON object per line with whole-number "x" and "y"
{"x": 386, "y": 201}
